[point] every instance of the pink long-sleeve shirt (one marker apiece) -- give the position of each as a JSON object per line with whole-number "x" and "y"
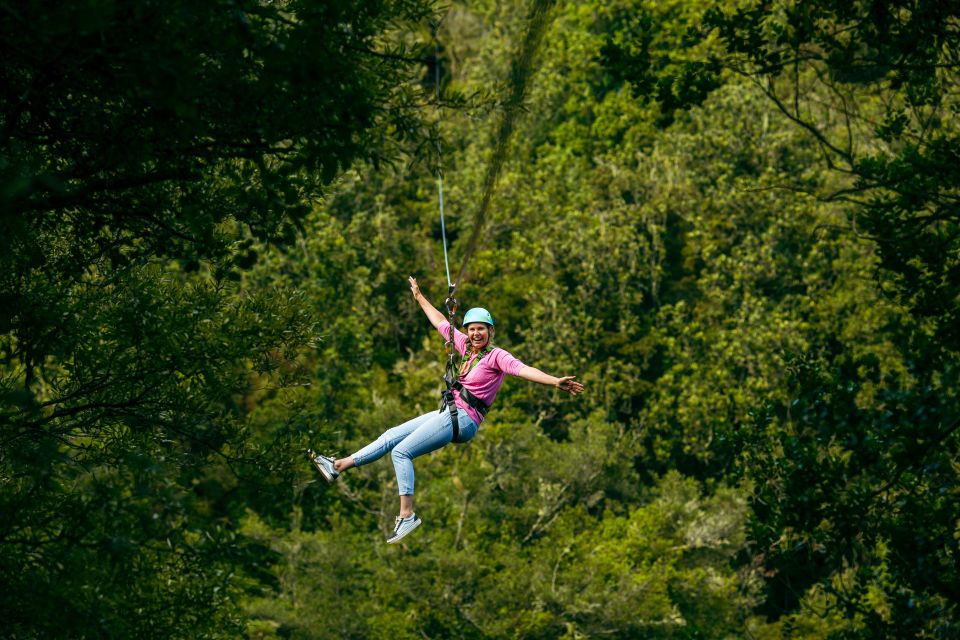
{"x": 485, "y": 378}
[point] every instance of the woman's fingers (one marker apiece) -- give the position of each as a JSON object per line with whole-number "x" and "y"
{"x": 567, "y": 383}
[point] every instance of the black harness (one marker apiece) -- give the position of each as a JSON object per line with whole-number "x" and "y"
{"x": 453, "y": 384}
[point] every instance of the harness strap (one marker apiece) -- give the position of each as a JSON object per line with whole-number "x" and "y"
{"x": 470, "y": 399}
{"x": 446, "y": 397}
{"x": 446, "y": 400}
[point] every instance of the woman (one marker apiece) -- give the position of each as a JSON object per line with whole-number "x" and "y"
{"x": 481, "y": 374}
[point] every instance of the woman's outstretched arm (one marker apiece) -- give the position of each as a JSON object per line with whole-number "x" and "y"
{"x": 436, "y": 318}
{"x": 566, "y": 383}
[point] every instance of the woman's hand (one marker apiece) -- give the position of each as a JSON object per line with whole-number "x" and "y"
{"x": 436, "y": 318}
{"x": 568, "y": 384}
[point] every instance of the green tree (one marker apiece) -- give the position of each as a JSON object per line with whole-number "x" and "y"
{"x": 869, "y": 439}
{"x": 147, "y": 151}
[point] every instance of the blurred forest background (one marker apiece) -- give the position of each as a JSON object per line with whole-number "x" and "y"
{"x": 737, "y": 221}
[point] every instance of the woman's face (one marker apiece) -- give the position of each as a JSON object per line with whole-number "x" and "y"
{"x": 478, "y": 333}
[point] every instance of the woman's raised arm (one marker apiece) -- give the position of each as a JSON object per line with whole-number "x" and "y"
{"x": 436, "y": 318}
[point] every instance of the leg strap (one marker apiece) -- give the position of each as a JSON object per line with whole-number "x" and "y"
{"x": 447, "y": 399}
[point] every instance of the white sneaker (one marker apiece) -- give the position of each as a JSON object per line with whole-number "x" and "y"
{"x": 324, "y": 465}
{"x": 403, "y": 527}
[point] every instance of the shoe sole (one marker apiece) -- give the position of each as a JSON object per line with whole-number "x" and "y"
{"x": 404, "y": 534}
{"x": 326, "y": 474}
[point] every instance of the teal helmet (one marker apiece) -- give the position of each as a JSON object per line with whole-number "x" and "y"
{"x": 478, "y": 314}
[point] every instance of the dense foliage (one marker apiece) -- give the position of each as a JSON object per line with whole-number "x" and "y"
{"x": 146, "y": 148}
{"x": 736, "y": 222}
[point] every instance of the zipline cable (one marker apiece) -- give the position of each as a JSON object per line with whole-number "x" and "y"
{"x": 521, "y": 68}
{"x": 520, "y": 71}
{"x": 443, "y": 225}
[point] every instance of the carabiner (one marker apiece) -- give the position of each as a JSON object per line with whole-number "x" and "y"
{"x": 451, "y": 304}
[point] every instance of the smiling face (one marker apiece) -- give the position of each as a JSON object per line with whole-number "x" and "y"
{"x": 478, "y": 334}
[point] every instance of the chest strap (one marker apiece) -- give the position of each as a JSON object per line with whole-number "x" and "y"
{"x": 470, "y": 399}
{"x": 447, "y": 400}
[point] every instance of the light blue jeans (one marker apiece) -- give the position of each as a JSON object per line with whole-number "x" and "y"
{"x": 414, "y": 438}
